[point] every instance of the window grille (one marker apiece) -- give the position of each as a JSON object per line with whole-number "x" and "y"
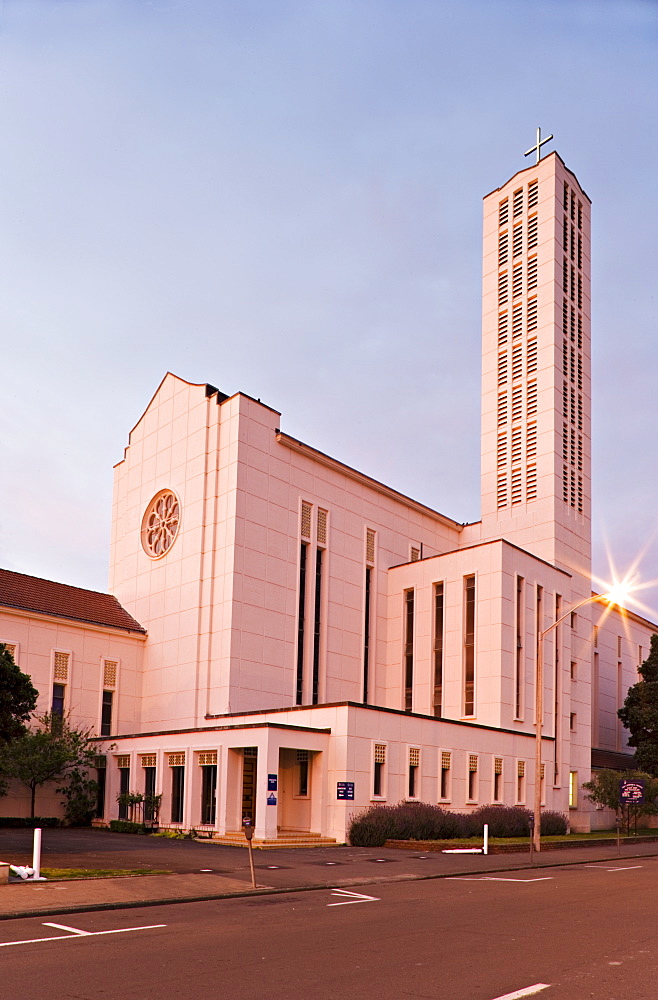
{"x": 565, "y": 317}
{"x": 531, "y": 355}
{"x": 123, "y": 760}
{"x": 503, "y": 212}
{"x": 572, "y": 199}
{"x": 516, "y": 445}
{"x": 531, "y": 441}
{"x": 531, "y": 319}
{"x": 580, "y": 215}
{"x": 502, "y": 409}
{"x": 100, "y": 761}
{"x": 472, "y": 762}
{"x": 596, "y": 636}
{"x": 302, "y": 756}
{"x": 531, "y": 483}
{"x": 572, "y": 451}
{"x": 533, "y": 193}
{"x": 498, "y": 765}
{"x": 565, "y": 232}
{"x": 322, "y": 527}
{"x": 565, "y": 401}
{"x": 502, "y": 288}
{"x": 10, "y": 647}
{"x": 572, "y": 488}
{"x": 639, "y": 656}
{"x": 580, "y": 292}
{"x": 109, "y": 673}
{"x": 414, "y": 757}
{"x": 618, "y": 647}
{"x": 380, "y": 753}
{"x": 565, "y": 359}
{"x": 445, "y": 760}
{"x": 532, "y": 273}
{"x": 517, "y": 402}
{"x": 565, "y": 276}
{"x": 565, "y": 484}
{"x": 517, "y": 241}
{"x": 580, "y": 250}
{"x": 580, "y": 332}
{"x": 148, "y": 760}
{"x": 572, "y": 395}
{"x": 61, "y": 667}
{"x": 572, "y": 246}
{"x": 176, "y": 759}
{"x": 247, "y": 752}
{"x": 501, "y": 492}
{"x": 502, "y": 329}
{"x": 415, "y": 554}
{"x": 370, "y": 546}
{"x": 542, "y": 768}
{"x": 502, "y": 248}
{"x": 580, "y": 453}
{"x": 501, "y": 450}
{"x": 517, "y": 281}
{"x": 517, "y": 321}
{"x": 532, "y": 399}
{"x": 566, "y": 197}
{"x": 580, "y": 494}
{"x": 518, "y": 202}
{"x": 580, "y": 413}
{"x": 565, "y": 443}
{"x": 520, "y": 768}
{"x": 517, "y": 362}
{"x": 516, "y": 486}
{"x": 572, "y": 367}
{"x": 306, "y": 520}
{"x": 207, "y": 757}
{"x": 502, "y": 369}
{"x": 532, "y": 232}
{"x": 572, "y": 291}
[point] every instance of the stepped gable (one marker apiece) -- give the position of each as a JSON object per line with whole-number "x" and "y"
{"x": 30, "y": 593}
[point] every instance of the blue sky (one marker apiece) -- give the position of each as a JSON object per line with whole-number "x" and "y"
{"x": 284, "y": 198}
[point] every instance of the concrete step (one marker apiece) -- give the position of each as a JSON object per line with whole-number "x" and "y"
{"x": 285, "y": 838}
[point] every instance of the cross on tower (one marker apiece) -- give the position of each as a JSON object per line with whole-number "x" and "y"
{"x": 538, "y": 145}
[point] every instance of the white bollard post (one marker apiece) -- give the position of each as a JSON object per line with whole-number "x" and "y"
{"x": 485, "y": 849}
{"x": 36, "y": 853}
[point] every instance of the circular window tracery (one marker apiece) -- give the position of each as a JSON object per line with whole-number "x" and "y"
{"x": 160, "y": 524}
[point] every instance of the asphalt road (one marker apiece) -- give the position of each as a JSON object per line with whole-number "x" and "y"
{"x": 583, "y": 931}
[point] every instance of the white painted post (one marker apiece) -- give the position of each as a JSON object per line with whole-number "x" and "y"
{"x": 485, "y": 849}
{"x": 36, "y": 853}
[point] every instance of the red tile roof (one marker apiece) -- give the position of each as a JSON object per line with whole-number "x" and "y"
{"x": 29, "y": 593}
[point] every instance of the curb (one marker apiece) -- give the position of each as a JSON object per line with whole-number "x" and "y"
{"x": 134, "y": 904}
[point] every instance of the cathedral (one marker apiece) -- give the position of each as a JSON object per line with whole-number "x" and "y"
{"x": 289, "y": 640}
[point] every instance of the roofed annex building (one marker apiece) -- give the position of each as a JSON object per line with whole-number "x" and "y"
{"x": 291, "y": 640}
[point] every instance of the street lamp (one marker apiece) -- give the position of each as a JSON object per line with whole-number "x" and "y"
{"x": 616, "y": 595}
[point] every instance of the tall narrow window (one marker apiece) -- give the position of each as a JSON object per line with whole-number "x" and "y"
{"x": 106, "y": 713}
{"x": 57, "y": 708}
{"x": 414, "y": 763}
{"x": 445, "y": 774}
{"x": 472, "y": 777}
{"x": 539, "y": 622}
{"x": 301, "y": 618}
{"x": 366, "y": 635}
{"x": 498, "y": 779}
{"x": 149, "y": 791}
{"x": 469, "y": 646}
{"x": 438, "y": 649}
{"x": 378, "y": 769}
{"x": 519, "y": 673}
{"x": 317, "y": 625}
{"x": 573, "y": 789}
{"x": 208, "y": 794}
{"x": 302, "y": 772}
{"x": 408, "y": 649}
{"x": 101, "y": 774}
{"x": 124, "y": 785}
{"x": 177, "y": 767}
{"x": 520, "y": 781}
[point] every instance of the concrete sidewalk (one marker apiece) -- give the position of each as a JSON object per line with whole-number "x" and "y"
{"x": 217, "y": 872}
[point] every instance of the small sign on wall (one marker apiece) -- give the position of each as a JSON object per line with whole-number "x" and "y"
{"x": 271, "y": 799}
{"x": 272, "y": 782}
{"x": 345, "y": 790}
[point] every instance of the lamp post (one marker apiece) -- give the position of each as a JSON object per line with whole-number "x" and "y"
{"x": 613, "y": 597}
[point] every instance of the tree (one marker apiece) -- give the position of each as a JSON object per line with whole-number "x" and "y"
{"x": 603, "y": 790}
{"x": 639, "y": 713}
{"x": 18, "y": 697}
{"x": 53, "y": 751}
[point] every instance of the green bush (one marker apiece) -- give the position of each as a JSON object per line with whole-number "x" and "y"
{"x": 30, "y": 822}
{"x": 126, "y": 826}
{"x": 423, "y": 821}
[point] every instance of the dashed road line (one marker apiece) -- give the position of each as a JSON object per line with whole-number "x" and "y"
{"x": 527, "y": 992}
{"x": 355, "y": 897}
{"x": 600, "y": 868}
{"x": 75, "y": 934}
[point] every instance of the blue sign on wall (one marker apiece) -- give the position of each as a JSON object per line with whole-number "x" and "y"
{"x": 631, "y": 791}
{"x": 271, "y": 799}
{"x": 345, "y": 790}
{"x": 271, "y": 782}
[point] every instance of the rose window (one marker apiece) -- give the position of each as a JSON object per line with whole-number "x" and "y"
{"x": 160, "y": 524}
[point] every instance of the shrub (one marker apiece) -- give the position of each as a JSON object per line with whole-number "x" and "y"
{"x": 423, "y": 821}
{"x": 126, "y": 826}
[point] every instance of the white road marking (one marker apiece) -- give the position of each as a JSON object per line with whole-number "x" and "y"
{"x": 527, "y": 992}
{"x": 355, "y": 897}
{"x": 63, "y": 927}
{"x": 600, "y": 868}
{"x": 76, "y": 934}
{"x": 491, "y": 878}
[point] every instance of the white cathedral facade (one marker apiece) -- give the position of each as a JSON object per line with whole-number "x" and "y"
{"x": 288, "y": 639}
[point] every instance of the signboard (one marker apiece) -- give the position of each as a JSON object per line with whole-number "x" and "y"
{"x": 345, "y": 790}
{"x": 272, "y": 782}
{"x": 271, "y": 799}
{"x": 631, "y": 791}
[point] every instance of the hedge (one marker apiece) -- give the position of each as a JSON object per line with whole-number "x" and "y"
{"x": 422, "y": 821}
{"x": 126, "y": 826}
{"x": 30, "y": 822}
